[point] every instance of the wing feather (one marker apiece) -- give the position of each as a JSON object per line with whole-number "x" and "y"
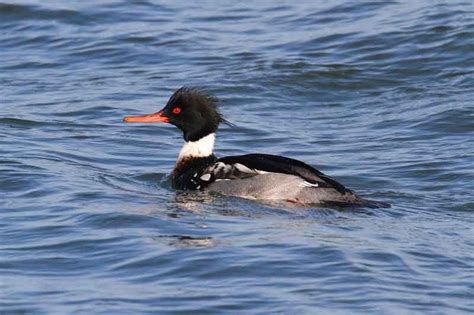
{"x": 256, "y": 163}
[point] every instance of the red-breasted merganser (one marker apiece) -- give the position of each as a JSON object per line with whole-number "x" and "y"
{"x": 255, "y": 176}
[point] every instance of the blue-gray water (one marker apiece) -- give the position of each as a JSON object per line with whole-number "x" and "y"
{"x": 377, "y": 94}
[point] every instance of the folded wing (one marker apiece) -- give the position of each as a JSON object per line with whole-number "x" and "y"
{"x": 244, "y": 166}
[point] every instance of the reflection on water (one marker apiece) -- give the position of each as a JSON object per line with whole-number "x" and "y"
{"x": 189, "y": 241}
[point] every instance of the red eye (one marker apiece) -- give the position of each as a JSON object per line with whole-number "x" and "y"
{"x": 176, "y": 110}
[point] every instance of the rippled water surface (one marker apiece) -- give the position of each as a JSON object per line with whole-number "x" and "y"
{"x": 377, "y": 94}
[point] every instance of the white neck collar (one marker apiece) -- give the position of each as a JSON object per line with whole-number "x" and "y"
{"x": 201, "y": 148}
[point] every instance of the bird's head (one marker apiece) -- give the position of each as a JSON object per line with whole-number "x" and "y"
{"x": 191, "y": 110}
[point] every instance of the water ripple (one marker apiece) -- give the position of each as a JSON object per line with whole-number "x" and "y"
{"x": 376, "y": 94}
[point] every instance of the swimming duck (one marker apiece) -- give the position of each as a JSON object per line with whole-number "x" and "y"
{"x": 254, "y": 176}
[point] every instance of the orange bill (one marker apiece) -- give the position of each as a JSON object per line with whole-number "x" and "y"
{"x": 156, "y": 117}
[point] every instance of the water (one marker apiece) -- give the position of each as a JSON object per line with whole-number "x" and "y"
{"x": 376, "y": 94}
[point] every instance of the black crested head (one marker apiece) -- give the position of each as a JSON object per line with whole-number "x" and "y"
{"x": 194, "y": 112}
{"x": 191, "y": 110}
